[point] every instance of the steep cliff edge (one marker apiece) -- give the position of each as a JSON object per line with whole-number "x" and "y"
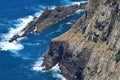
{"x": 90, "y": 50}
{"x": 48, "y": 18}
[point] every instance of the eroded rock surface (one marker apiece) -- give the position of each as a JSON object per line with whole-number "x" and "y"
{"x": 90, "y": 50}
{"x": 47, "y": 19}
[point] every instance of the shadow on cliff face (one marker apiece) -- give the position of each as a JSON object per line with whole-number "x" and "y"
{"x": 79, "y": 75}
{"x": 91, "y": 41}
{"x": 54, "y": 55}
{"x": 70, "y": 64}
{"x": 47, "y": 19}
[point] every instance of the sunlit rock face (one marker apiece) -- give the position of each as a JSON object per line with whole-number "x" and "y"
{"x": 90, "y": 50}
{"x": 47, "y": 19}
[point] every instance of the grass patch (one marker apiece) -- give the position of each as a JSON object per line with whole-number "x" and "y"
{"x": 117, "y": 58}
{"x": 101, "y": 47}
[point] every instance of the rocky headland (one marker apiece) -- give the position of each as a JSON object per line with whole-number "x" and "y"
{"x": 47, "y": 19}
{"x": 90, "y": 50}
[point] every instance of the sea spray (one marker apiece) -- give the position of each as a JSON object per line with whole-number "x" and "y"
{"x": 22, "y": 22}
{"x": 5, "y": 45}
{"x": 78, "y": 2}
{"x": 56, "y": 72}
{"x": 37, "y": 66}
{"x": 18, "y": 73}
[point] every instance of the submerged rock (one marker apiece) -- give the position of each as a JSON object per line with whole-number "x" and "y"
{"x": 14, "y": 38}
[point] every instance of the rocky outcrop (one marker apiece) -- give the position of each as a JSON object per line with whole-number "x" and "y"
{"x": 90, "y": 50}
{"x": 47, "y": 19}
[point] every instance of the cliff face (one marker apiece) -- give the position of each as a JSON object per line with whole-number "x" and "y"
{"x": 47, "y": 19}
{"x": 90, "y": 50}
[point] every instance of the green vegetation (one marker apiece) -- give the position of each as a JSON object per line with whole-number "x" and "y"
{"x": 117, "y": 58}
{"x": 111, "y": 49}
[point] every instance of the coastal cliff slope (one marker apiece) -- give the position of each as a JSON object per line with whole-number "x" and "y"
{"x": 90, "y": 50}
{"x": 48, "y": 18}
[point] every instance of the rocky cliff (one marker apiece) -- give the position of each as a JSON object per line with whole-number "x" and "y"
{"x": 48, "y": 18}
{"x": 90, "y": 50}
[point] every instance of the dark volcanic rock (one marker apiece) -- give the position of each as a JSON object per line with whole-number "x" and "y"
{"x": 55, "y": 54}
{"x": 14, "y": 38}
{"x": 48, "y": 18}
{"x": 59, "y": 53}
{"x": 91, "y": 48}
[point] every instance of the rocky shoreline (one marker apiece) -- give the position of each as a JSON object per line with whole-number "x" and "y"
{"x": 47, "y": 19}
{"x": 90, "y": 50}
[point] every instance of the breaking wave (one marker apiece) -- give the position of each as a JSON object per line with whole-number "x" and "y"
{"x": 4, "y": 44}
{"x": 78, "y": 2}
{"x": 56, "y": 72}
{"x": 16, "y": 46}
{"x": 22, "y": 22}
{"x": 37, "y": 66}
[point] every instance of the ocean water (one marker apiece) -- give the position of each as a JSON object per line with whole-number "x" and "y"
{"x": 21, "y": 60}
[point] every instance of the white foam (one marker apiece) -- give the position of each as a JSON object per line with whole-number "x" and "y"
{"x": 22, "y": 22}
{"x": 79, "y": 11}
{"x": 78, "y": 3}
{"x": 57, "y": 72}
{"x": 41, "y": 7}
{"x": 37, "y": 14}
{"x": 5, "y": 45}
{"x": 52, "y": 7}
{"x": 37, "y": 66}
{"x": 10, "y": 46}
{"x": 69, "y": 23}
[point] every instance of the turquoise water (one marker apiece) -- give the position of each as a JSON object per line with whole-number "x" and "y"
{"x": 19, "y": 60}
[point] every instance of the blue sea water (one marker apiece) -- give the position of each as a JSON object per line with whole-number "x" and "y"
{"x": 20, "y": 60}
